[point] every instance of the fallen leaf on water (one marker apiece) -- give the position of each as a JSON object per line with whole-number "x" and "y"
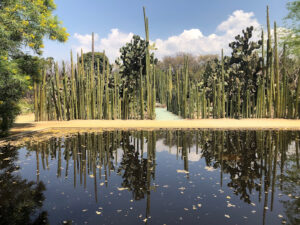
{"x": 186, "y": 209}
{"x": 145, "y": 220}
{"x": 7, "y": 158}
{"x": 228, "y": 197}
{"x": 209, "y": 168}
{"x": 182, "y": 188}
{"x": 227, "y": 216}
{"x": 84, "y": 210}
{"x": 199, "y": 205}
{"x": 122, "y": 189}
{"x": 182, "y": 171}
{"x": 253, "y": 211}
{"x": 98, "y": 213}
{"x": 230, "y": 205}
{"x": 101, "y": 184}
{"x": 91, "y": 176}
{"x": 280, "y": 216}
{"x": 194, "y": 207}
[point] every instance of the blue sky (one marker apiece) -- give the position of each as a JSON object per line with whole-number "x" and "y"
{"x": 195, "y": 26}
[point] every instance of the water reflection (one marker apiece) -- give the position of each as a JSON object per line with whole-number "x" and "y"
{"x": 258, "y": 167}
{"x": 20, "y": 200}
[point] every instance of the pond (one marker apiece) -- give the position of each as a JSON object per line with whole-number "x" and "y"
{"x": 153, "y": 177}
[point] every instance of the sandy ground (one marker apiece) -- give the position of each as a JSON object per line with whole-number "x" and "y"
{"x": 25, "y": 129}
{"x": 26, "y": 123}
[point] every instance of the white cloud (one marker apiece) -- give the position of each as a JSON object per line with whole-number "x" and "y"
{"x": 192, "y": 41}
{"x": 111, "y": 44}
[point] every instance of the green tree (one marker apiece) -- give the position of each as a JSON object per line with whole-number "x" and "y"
{"x": 87, "y": 59}
{"x": 245, "y": 64}
{"x": 22, "y": 24}
{"x": 133, "y": 57}
{"x": 292, "y": 39}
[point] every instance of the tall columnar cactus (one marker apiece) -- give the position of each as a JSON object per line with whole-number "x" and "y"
{"x": 58, "y": 100}
{"x": 269, "y": 67}
{"x": 107, "y": 102}
{"x": 73, "y": 92}
{"x": 141, "y": 94}
{"x": 297, "y": 114}
{"x": 148, "y": 74}
{"x": 276, "y": 71}
{"x": 223, "y": 85}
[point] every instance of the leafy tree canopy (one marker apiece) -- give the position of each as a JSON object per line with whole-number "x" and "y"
{"x": 87, "y": 59}
{"x": 292, "y": 39}
{"x": 133, "y": 58}
{"x": 23, "y": 23}
{"x": 26, "y": 23}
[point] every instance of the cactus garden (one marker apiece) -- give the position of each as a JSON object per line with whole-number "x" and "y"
{"x": 149, "y": 112}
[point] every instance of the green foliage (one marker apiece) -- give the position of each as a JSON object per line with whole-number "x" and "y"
{"x": 292, "y": 36}
{"x": 23, "y": 24}
{"x": 27, "y": 23}
{"x": 30, "y": 66}
{"x": 244, "y": 64}
{"x": 133, "y": 57}
{"x": 11, "y": 89}
{"x": 87, "y": 59}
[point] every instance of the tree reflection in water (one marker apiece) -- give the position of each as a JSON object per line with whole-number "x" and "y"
{"x": 20, "y": 200}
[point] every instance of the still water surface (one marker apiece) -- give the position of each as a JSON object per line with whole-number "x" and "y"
{"x": 153, "y": 177}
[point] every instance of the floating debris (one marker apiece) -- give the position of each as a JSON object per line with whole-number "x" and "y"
{"x": 230, "y": 205}
{"x": 101, "y": 184}
{"x": 228, "y": 197}
{"x": 182, "y": 171}
{"x": 182, "y": 188}
{"x": 186, "y": 209}
{"x": 227, "y": 216}
{"x": 199, "y": 205}
{"x": 280, "y": 216}
{"x": 122, "y": 189}
{"x": 84, "y": 210}
{"x": 91, "y": 176}
{"x": 194, "y": 207}
{"x": 209, "y": 168}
